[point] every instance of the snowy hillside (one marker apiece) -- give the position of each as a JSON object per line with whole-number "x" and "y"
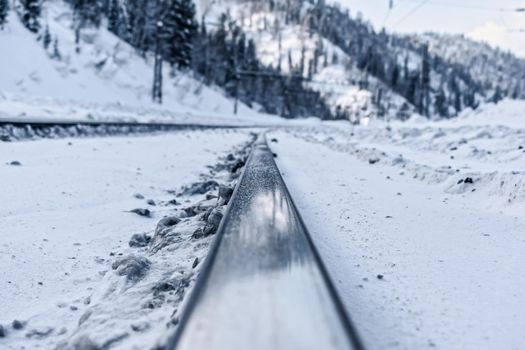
{"x": 491, "y": 67}
{"x": 296, "y": 50}
{"x": 104, "y": 79}
{"x": 362, "y": 72}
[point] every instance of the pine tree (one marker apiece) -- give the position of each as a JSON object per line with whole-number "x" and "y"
{"x": 56, "y": 53}
{"x": 425, "y": 83}
{"x": 178, "y": 31}
{"x": 30, "y": 13}
{"x": 4, "y": 9}
{"x": 46, "y": 38}
{"x": 113, "y": 17}
{"x": 157, "y": 67}
{"x": 87, "y": 13}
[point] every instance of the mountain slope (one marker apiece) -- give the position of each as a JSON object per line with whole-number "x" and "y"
{"x": 106, "y": 74}
{"x": 374, "y": 73}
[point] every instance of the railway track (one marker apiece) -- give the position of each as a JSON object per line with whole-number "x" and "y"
{"x": 44, "y": 123}
{"x": 27, "y": 128}
{"x": 264, "y": 285}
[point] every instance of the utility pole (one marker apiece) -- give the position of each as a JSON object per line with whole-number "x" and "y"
{"x": 157, "y": 68}
{"x": 237, "y": 78}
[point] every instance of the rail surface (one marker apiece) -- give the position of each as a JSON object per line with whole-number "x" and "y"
{"x": 264, "y": 285}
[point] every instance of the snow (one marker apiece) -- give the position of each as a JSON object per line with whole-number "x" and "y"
{"x": 65, "y": 219}
{"x": 107, "y": 79}
{"x": 420, "y": 257}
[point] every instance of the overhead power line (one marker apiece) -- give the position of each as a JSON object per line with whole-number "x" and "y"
{"x": 414, "y": 10}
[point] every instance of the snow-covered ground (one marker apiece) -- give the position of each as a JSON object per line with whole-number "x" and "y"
{"x": 420, "y": 224}
{"x": 65, "y": 220}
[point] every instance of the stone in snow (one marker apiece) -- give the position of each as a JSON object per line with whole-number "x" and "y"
{"x": 142, "y": 212}
{"x": 214, "y": 219}
{"x": 225, "y": 193}
{"x": 139, "y": 240}
{"x": 18, "y": 324}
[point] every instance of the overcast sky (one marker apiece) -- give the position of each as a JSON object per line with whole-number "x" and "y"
{"x": 494, "y": 21}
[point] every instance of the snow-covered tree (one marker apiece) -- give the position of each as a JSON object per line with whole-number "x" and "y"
{"x": 178, "y": 31}
{"x": 30, "y": 12}
{"x": 46, "y": 38}
{"x": 4, "y": 9}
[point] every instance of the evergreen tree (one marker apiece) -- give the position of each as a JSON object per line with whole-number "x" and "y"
{"x": 87, "y": 12}
{"x": 4, "y": 10}
{"x": 113, "y": 17}
{"x": 498, "y": 96}
{"x": 46, "y": 38}
{"x": 56, "y": 52}
{"x": 30, "y": 14}
{"x": 178, "y": 31}
{"x": 425, "y": 83}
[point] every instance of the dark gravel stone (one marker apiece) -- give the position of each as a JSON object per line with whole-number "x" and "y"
{"x": 274, "y": 140}
{"x": 142, "y": 212}
{"x": 380, "y": 277}
{"x": 373, "y": 161}
{"x": 225, "y": 193}
{"x": 132, "y": 266}
{"x": 140, "y": 327}
{"x": 195, "y": 263}
{"x": 18, "y": 324}
{"x": 239, "y": 164}
{"x": 210, "y": 196}
{"x": 15, "y": 163}
{"x": 198, "y": 233}
{"x": 2, "y": 331}
{"x": 139, "y": 240}
{"x": 214, "y": 219}
{"x": 469, "y": 180}
{"x": 151, "y": 202}
{"x": 173, "y": 202}
{"x": 138, "y": 196}
{"x": 200, "y": 188}
{"x": 165, "y": 223}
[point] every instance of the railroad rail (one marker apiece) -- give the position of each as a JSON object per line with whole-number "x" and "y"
{"x": 37, "y": 123}
{"x": 263, "y": 285}
{"x": 28, "y": 128}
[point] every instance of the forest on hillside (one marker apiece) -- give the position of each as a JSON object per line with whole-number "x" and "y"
{"x": 222, "y": 54}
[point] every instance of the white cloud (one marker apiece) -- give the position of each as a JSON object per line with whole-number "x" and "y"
{"x": 501, "y": 36}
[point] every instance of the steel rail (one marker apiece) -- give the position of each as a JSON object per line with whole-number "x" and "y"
{"x": 46, "y": 123}
{"x": 263, "y": 285}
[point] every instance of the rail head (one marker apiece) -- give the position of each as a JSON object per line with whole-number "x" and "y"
{"x": 264, "y": 285}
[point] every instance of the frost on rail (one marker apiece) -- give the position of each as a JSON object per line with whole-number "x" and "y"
{"x": 264, "y": 286}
